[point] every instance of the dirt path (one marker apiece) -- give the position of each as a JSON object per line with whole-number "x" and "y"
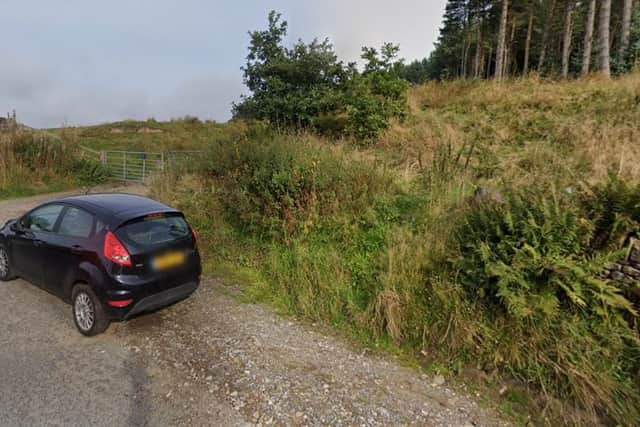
{"x": 210, "y": 360}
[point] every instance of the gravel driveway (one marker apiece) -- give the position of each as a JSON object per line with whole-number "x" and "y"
{"x": 210, "y": 360}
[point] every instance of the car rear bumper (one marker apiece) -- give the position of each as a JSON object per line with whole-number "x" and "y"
{"x": 161, "y": 299}
{"x": 149, "y": 296}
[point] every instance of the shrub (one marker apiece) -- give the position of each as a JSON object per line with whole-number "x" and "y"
{"x": 615, "y": 207}
{"x": 274, "y": 185}
{"x": 89, "y": 172}
{"x": 528, "y": 258}
{"x": 529, "y": 266}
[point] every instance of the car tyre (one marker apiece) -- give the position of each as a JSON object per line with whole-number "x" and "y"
{"x": 88, "y": 312}
{"x": 5, "y": 265}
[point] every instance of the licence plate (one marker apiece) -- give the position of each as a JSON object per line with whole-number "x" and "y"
{"x": 170, "y": 260}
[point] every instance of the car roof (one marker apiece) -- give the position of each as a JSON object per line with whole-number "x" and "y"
{"x": 117, "y": 208}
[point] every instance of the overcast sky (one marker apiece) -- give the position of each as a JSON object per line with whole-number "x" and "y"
{"x": 81, "y": 62}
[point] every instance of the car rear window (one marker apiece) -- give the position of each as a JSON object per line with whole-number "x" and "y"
{"x": 153, "y": 230}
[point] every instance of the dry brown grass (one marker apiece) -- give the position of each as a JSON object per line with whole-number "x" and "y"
{"x": 529, "y": 128}
{"x": 32, "y": 161}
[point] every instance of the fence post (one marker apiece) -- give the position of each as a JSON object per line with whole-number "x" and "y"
{"x": 124, "y": 166}
{"x": 144, "y": 167}
{"x": 162, "y": 161}
{"x": 103, "y": 157}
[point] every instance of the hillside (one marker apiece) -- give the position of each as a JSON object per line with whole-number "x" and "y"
{"x": 525, "y": 130}
{"x": 388, "y": 243}
{"x": 149, "y": 135}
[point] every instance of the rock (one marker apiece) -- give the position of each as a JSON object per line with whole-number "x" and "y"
{"x": 634, "y": 250}
{"x": 617, "y": 275}
{"x": 631, "y": 271}
{"x": 438, "y": 380}
{"x": 484, "y": 195}
{"x": 613, "y": 266}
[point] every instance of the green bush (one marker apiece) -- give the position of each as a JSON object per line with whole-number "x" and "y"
{"x": 89, "y": 172}
{"x": 529, "y": 258}
{"x": 307, "y": 87}
{"x": 277, "y": 185}
{"x": 615, "y": 207}
{"x": 528, "y": 264}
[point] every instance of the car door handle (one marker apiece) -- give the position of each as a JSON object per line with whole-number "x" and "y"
{"x": 37, "y": 242}
{"x": 76, "y": 249}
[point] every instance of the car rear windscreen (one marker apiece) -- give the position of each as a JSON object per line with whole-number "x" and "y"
{"x": 154, "y": 230}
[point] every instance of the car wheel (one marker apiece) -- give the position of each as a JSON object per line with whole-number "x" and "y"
{"x": 88, "y": 313}
{"x": 5, "y": 266}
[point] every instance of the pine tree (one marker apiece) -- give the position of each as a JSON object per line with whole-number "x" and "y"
{"x": 604, "y": 38}
{"x": 588, "y": 37}
{"x": 502, "y": 36}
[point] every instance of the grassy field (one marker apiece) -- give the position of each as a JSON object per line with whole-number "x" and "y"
{"x": 150, "y": 135}
{"x": 467, "y": 238}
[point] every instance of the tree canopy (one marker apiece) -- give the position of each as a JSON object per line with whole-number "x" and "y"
{"x": 306, "y": 85}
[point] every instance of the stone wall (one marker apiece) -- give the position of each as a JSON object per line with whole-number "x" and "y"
{"x": 627, "y": 270}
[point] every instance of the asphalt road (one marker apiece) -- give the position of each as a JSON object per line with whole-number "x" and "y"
{"x": 210, "y": 360}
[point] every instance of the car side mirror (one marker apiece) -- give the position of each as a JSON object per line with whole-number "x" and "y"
{"x": 17, "y": 225}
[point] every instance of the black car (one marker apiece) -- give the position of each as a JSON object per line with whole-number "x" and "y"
{"x": 111, "y": 256}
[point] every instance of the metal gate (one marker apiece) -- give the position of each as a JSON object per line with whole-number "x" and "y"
{"x": 133, "y": 165}
{"x": 137, "y": 165}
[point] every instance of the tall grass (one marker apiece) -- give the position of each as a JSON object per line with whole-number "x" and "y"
{"x": 33, "y": 162}
{"x": 390, "y": 241}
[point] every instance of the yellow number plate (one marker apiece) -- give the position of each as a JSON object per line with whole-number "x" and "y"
{"x": 169, "y": 260}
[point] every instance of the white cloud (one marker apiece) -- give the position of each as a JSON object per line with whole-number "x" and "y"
{"x": 352, "y": 24}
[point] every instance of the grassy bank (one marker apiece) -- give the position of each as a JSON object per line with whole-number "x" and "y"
{"x": 469, "y": 235}
{"x": 34, "y": 162}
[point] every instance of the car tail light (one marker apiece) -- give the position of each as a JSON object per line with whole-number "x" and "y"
{"x": 120, "y": 304}
{"x": 195, "y": 234}
{"x": 115, "y": 251}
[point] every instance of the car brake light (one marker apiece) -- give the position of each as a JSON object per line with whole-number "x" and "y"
{"x": 115, "y": 251}
{"x": 120, "y": 304}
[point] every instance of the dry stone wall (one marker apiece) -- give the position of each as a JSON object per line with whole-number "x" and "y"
{"x": 627, "y": 270}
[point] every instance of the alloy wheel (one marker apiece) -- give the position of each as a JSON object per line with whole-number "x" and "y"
{"x": 4, "y": 263}
{"x": 84, "y": 311}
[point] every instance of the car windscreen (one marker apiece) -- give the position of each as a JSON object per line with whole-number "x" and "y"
{"x": 153, "y": 230}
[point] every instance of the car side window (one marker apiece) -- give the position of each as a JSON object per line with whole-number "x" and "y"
{"x": 76, "y": 223}
{"x": 43, "y": 219}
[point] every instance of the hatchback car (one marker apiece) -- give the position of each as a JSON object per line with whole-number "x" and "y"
{"x": 112, "y": 256}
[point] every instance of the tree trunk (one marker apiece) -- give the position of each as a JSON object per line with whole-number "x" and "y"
{"x": 566, "y": 43}
{"x": 545, "y": 37}
{"x": 626, "y": 29}
{"x": 502, "y": 36}
{"x": 588, "y": 38}
{"x": 465, "y": 68}
{"x": 604, "y": 41}
{"x": 527, "y": 47}
{"x": 508, "y": 51}
{"x": 477, "y": 66}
